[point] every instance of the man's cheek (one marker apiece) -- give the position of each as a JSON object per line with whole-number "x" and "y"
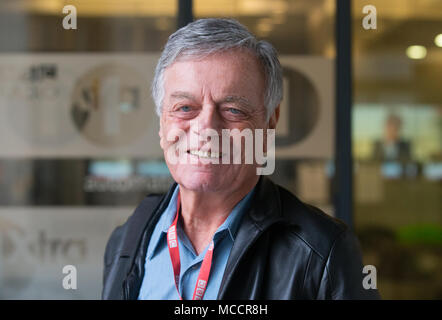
{"x": 164, "y": 143}
{"x": 174, "y": 144}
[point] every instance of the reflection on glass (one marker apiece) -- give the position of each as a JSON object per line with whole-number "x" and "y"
{"x": 397, "y": 146}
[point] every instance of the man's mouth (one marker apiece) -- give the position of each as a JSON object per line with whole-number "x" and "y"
{"x": 205, "y": 154}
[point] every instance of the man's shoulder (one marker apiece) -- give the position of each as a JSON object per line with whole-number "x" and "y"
{"x": 145, "y": 208}
{"x": 309, "y": 224}
{"x": 125, "y": 235}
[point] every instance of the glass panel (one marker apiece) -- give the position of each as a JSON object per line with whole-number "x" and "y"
{"x": 397, "y": 145}
{"x": 78, "y": 136}
{"x": 79, "y": 142}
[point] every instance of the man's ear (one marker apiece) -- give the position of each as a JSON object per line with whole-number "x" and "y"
{"x": 274, "y": 118}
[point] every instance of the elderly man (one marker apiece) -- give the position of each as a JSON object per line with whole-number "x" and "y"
{"x": 222, "y": 231}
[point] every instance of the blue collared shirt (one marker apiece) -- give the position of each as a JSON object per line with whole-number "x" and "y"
{"x": 158, "y": 283}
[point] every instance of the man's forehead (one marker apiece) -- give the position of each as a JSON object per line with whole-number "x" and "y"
{"x": 229, "y": 63}
{"x": 182, "y": 95}
{"x": 223, "y": 77}
{"x": 226, "y": 98}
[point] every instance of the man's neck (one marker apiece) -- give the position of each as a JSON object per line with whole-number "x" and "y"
{"x": 203, "y": 212}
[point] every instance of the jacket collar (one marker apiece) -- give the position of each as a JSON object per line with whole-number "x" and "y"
{"x": 140, "y": 227}
{"x": 264, "y": 210}
{"x": 144, "y": 219}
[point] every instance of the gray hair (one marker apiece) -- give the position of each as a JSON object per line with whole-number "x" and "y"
{"x": 206, "y": 36}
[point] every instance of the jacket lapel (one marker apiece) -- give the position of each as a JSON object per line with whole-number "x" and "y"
{"x": 264, "y": 211}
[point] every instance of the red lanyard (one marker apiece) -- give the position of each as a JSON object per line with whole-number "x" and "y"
{"x": 203, "y": 276}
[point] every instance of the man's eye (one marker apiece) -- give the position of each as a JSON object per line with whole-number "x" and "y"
{"x": 185, "y": 108}
{"x": 235, "y": 111}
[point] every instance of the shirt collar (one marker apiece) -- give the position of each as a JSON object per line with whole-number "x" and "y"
{"x": 231, "y": 224}
{"x": 159, "y": 234}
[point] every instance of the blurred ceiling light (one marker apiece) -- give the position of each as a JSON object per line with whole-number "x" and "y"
{"x": 214, "y": 8}
{"x": 329, "y": 8}
{"x": 98, "y": 7}
{"x": 438, "y": 40}
{"x": 261, "y": 7}
{"x": 416, "y": 52}
{"x": 279, "y": 7}
{"x": 253, "y": 7}
{"x": 264, "y": 27}
{"x": 44, "y": 6}
{"x": 330, "y": 51}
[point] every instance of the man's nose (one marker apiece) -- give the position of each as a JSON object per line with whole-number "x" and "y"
{"x": 208, "y": 118}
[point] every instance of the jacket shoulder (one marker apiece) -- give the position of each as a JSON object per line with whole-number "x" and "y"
{"x": 340, "y": 262}
{"x": 122, "y": 245}
{"x": 132, "y": 228}
{"x": 310, "y": 224}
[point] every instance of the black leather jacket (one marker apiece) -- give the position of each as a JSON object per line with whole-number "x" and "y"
{"x": 284, "y": 249}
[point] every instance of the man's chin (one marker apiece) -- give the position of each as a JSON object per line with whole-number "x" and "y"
{"x": 201, "y": 183}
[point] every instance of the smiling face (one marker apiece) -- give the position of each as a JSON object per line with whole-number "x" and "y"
{"x": 220, "y": 91}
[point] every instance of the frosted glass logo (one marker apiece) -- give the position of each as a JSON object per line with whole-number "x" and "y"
{"x": 109, "y": 105}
